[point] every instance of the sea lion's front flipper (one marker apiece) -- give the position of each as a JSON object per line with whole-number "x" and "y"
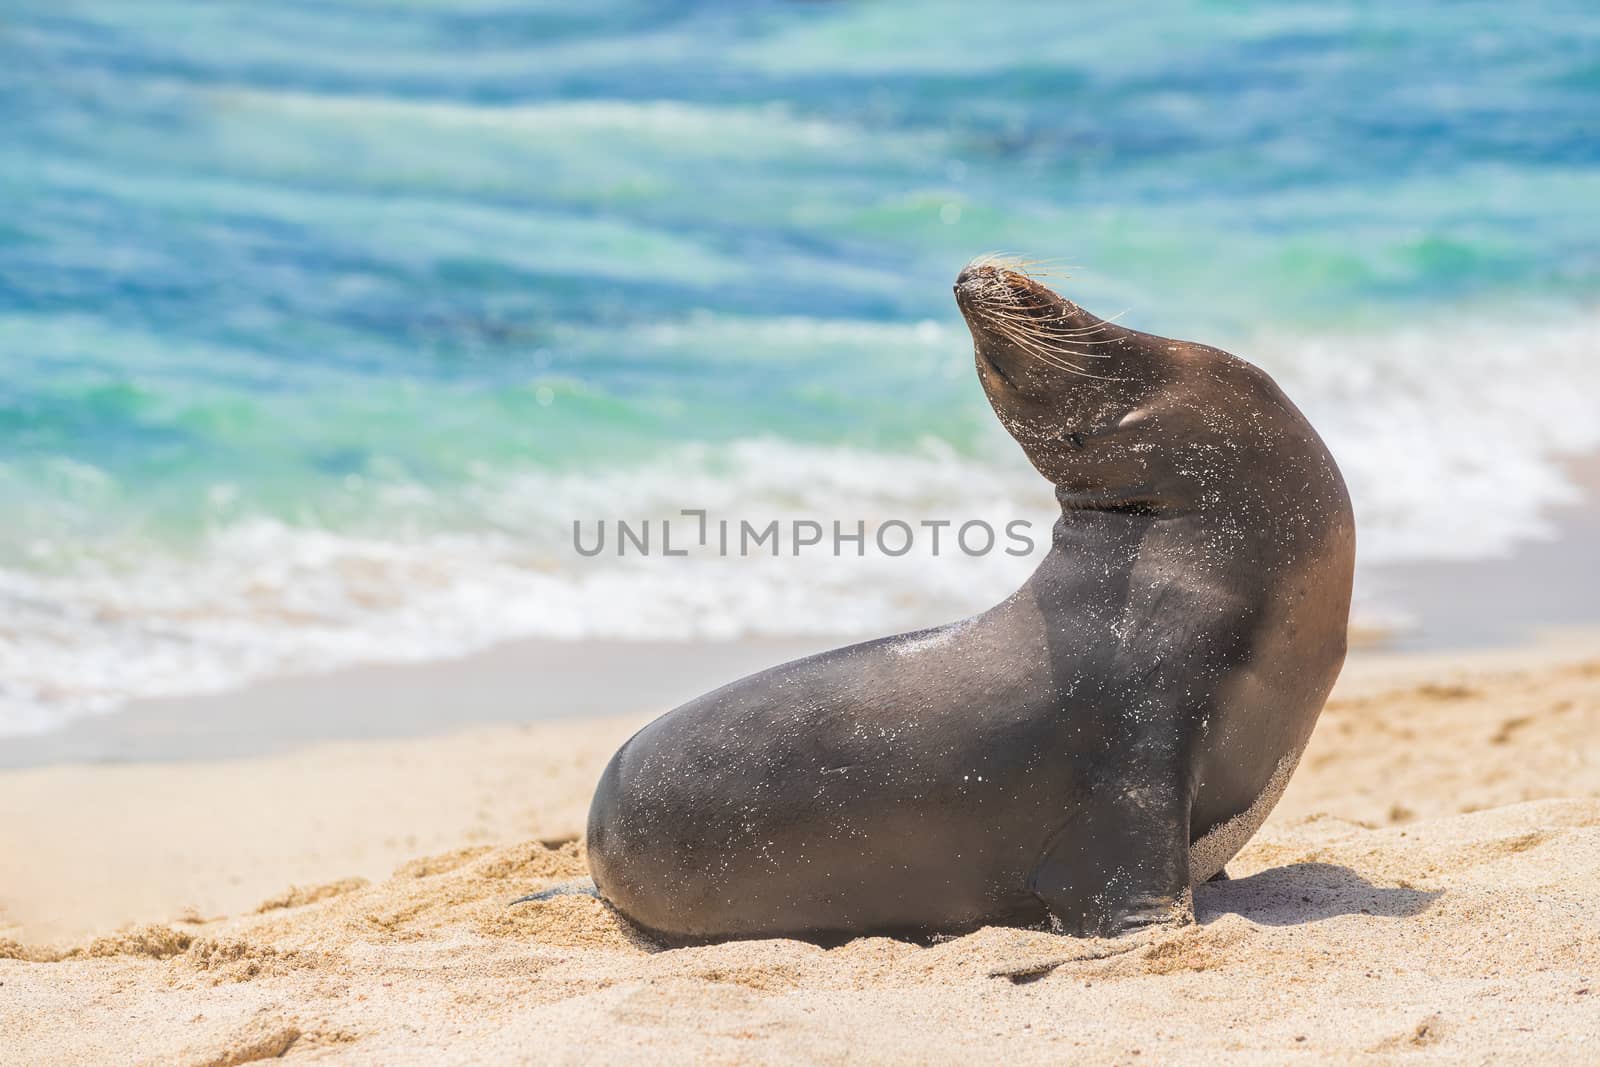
{"x": 1122, "y": 862}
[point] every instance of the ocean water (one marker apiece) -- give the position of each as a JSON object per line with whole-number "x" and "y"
{"x": 321, "y": 323}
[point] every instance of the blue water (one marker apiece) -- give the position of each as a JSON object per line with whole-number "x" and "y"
{"x": 320, "y": 322}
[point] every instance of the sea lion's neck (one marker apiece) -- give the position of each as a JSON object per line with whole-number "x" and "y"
{"x": 1083, "y": 579}
{"x": 1101, "y": 533}
{"x": 1128, "y": 500}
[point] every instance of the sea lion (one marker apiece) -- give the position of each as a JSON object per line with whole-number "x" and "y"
{"x": 1080, "y": 754}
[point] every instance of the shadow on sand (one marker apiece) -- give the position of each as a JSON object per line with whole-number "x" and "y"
{"x": 1305, "y": 893}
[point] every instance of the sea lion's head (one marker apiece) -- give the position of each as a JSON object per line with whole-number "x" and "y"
{"x": 1118, "y": 419}
{"x": 1071, "y": 387}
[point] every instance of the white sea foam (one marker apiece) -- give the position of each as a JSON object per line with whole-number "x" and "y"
{"x": 1449, "y": 433}
{"x": 1450, "y": 440}
{"x": 266, "y": 598}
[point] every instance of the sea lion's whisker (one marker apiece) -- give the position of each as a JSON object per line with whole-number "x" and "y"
{"x": 1051, "y": 357}
{"x": 1046, "y": 342}
{"x": 996, "y": 259}
{"x": 1026, "y": 309}
{"x": 1024, "y": 264}
{"x": 1034, "y": 272}
{"x": 1044, "y": 330}
{"x": 1017, "y": 308}
{"x": 1032, "y": 268}
{"x": 1054, "y": 356}
{"x": 1103, "y": 323}
{"x": 1072, "y": 368}
{"x": 1026, "y": 313}
{"x": 1046, "y": 357}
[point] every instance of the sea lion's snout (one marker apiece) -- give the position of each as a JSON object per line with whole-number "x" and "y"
{"x": 997, "y": 292}
{"x": 966, "y": 284}
{"x": 1012, "y": 318}
{"x": 970, "y": 274}
{"x": 986, "y": 270}
{"x": 980, "y": 278}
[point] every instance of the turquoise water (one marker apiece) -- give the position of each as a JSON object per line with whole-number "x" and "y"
{"x": 321, "y": 322}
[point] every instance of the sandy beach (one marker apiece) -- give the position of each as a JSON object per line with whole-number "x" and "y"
{"x": 1423, "y": 893}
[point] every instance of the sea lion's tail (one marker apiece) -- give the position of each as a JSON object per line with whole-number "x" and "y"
{"x": 578, "y": 887}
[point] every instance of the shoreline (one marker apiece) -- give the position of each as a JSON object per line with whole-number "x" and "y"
{"x": 1548, "y": 584}
{"x": 529, "y": 681}
{"x": 1465, "y": 605}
